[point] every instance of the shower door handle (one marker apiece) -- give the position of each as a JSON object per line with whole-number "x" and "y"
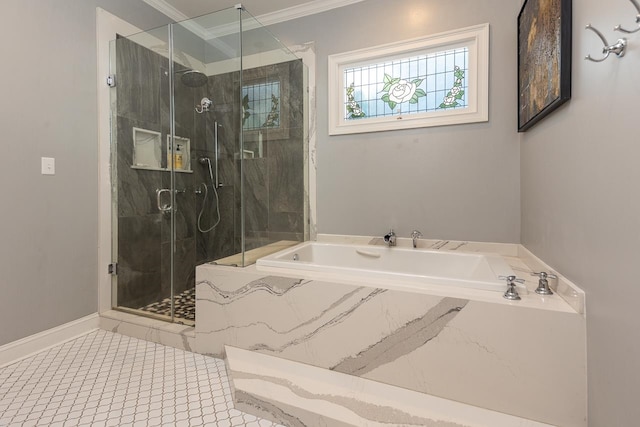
{"x": 166, "y": 207}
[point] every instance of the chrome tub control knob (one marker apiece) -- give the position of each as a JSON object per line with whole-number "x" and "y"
{"x": 511, "y": 293}
{"x": 543, "y": 284}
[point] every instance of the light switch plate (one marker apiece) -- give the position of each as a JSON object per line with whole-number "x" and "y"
{"x": 48, "y": 166}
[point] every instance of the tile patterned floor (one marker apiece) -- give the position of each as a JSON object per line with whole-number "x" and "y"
{"x": 185, "y": 306}
{"x": 108, "y": 379}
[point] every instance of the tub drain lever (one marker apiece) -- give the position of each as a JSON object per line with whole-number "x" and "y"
{"x": 511, "y": 293}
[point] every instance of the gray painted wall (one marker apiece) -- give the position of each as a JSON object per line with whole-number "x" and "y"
{"x": 581, "y": 210}
{"x": 454, "y": 182}
{"x": 49, "y": 238}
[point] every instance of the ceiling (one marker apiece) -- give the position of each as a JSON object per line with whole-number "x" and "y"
{"x": 267, "y": 11}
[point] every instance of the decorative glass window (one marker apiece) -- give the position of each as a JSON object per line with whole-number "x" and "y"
{"x": 432, "y": 81}
{"x": 261, "y": 105}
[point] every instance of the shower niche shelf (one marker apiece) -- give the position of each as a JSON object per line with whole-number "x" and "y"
{"x": 147, "y": 152}
{"x": 182, "y": 154}
{"x": 147, "y": 149}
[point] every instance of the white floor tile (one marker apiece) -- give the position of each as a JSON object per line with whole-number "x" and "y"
{"x": 107, "y": 379}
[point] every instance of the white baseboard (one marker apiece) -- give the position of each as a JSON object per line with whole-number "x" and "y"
{"x": 25, "y": 347}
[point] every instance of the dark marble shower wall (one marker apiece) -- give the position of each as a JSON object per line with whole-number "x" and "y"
{"x": 144, "y": 234}
{"x": 273, "y": 184}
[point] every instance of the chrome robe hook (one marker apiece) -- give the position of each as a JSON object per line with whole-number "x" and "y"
{"x": 622, "y": 30}
{"x": 618, "y": 48}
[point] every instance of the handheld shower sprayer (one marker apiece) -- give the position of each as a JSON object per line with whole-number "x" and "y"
{"x": 206, "y": 161}
{"x": 205, "y": 104}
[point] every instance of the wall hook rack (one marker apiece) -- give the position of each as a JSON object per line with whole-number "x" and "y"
{"x": 618, "y": 48}
{"x": 622, "y": 30}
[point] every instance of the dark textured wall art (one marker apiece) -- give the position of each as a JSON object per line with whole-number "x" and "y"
{"x": 544, "y": 59}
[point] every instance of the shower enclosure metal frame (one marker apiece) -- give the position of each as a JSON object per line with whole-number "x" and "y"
{"x": 171, "y": 43}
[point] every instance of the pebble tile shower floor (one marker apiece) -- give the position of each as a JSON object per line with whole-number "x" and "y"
{"x": 108, "y": 379}
{"x": 184, "y": 306}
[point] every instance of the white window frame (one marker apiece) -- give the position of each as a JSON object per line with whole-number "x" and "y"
{"x": 476, "y": 38}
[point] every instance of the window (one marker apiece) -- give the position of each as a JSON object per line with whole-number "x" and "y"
{"x": 261, "y": 105}
{"x": 432, "y": 81}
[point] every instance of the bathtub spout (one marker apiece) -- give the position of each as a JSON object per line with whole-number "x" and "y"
{"x": 415, "y": 235}
{"x": 390, "y": 238}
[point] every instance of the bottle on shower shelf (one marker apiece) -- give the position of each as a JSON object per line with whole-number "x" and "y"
{"x": 177, "y": 161}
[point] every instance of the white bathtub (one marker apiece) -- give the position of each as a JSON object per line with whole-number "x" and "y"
{"x": 409, "y": 266}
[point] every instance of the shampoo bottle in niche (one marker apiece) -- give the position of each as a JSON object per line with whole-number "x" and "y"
{"x": 178, "y": 157}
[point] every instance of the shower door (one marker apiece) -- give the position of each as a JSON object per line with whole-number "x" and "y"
{"x": 173, "y": 189}
{"x": 143, "y": 192}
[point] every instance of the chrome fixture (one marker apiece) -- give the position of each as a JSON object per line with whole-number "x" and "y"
{"x": 205, "y": 161}
{"x": 618, "y": 48}
{"x": 192, "y": 78}
{"x": 415, "y": 235}
{"x": 205, "y": 104}
{"x": 390, "y": 238}
{"x": 511, "y": 293}
{"x": 216, "y": 149}
{"x": 622, "y": 30}
{"x": 166, "y": 207}
{"x": 543, "y": 283}
{"x": 163, "y": 207}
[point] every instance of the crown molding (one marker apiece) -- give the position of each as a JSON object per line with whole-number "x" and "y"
{"x": 165, "y": 8}
{"x": 302, "y": 10}
{"x": 288, "y": 14}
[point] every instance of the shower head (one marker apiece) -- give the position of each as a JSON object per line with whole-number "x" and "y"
{"x": 193, "y": 78}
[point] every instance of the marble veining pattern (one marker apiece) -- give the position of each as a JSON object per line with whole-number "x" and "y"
{"x": 303, "y": 395}
{"x": 407, "y": 338}
{"x": 412, "y": 340}
{"x": 270, "y": 284}
{"x": 379, "y": 414}
{"x": 329, "y": 323}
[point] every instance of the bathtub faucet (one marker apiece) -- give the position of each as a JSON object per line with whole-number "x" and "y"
{"x": 415, "y": 235}
{"x": 390, "y": 238}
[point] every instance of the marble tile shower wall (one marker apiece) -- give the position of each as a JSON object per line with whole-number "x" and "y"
{"x": 274, "y": 190}
{"x": 144, "y": 234}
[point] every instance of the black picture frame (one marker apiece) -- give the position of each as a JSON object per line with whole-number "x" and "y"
{"x": 544, "y": 59}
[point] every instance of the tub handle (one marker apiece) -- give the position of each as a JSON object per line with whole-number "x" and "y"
{"x": 369, "y": 254}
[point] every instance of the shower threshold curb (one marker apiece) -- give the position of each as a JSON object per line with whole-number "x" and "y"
{"x": 155, "y": 330}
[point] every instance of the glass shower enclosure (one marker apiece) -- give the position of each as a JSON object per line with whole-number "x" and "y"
{"x": 208, "y": 157}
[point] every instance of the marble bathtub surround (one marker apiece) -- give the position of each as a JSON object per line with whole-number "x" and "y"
{"x": 521, "y": 260}
{"x": 303, "y": 395}
{"x": 573, "y": 295}
{"x": 252, "y": 255}
{"x": 491, "y": 348}
{"x": 405, "y": 339}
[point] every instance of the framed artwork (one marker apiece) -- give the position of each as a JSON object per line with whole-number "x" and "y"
{"x": 441, "y": 79}
{"x": 544, "y": 59}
